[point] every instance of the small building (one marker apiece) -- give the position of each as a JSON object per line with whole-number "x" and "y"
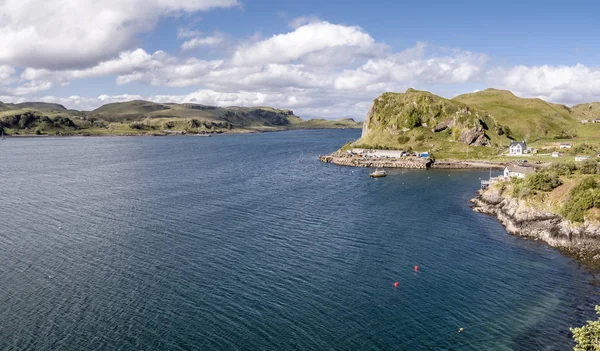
{"x": 518, "y": 171}
{"x": 424, "y": 154}
{"x": 581, "y": 158}
{"x": 556, "y": 154}
{"x": 585, "y": 121}
{"x": 565, "y": 146}
{"x": 597, "y": 120}
{"x": 517, "y": 148}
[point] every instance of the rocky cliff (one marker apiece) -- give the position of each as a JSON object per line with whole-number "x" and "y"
{"x": 419, "y": 118}
{"x": 519, "y": 218}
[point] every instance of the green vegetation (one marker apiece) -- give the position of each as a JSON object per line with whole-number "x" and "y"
{"x": 583, "y": 197}
{"x": 587, "y": 337}
{"x": 144, "y": 117}
{"x": 524, "y": 119}
{"x": 574, "y": 191}
{"x": 479, "y": 125}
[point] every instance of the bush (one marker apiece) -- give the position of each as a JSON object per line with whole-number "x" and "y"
{"x": 583, "y": 196}
{"x": 563, "y": 169}
{"x": 413, "y": 120}
{"x": 403, "y": 139}
{"x": 589, "y": 167}
{"x": 420, "y": 137}
{"x": 587, "y": 338}
{"x": 543, "y": 181}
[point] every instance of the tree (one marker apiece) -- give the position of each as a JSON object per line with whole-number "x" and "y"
{"x": 587, "y": 338}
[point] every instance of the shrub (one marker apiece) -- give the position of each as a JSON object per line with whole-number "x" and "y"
{"x": 413, "y": 120}
{"x": 583, "y": 196}
{"x": 420, "y": 137}
{"x": 403, "y": 139}
{"x": 587, "y": 337}
{"x": 563, "y": 169}
{"x": 589, "y": 167}
{"x": 543, "y": 181}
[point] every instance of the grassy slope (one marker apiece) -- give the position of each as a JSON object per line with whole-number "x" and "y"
{"x": 528, "y": 119}
{"x": 542, "y": 124}
{"x": 392, "y": 112}
{"x": 144, "y": 117}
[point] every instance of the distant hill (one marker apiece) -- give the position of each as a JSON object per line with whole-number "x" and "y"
{"x": 145, "y": 117}
{"x": 588, "y": 111}
{"x": 528, "y": 119}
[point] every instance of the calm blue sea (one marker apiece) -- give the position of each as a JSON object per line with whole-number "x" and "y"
{"x": 247, "y": 242}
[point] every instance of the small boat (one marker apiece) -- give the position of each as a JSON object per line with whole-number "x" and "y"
{"x": 378, "y": 173}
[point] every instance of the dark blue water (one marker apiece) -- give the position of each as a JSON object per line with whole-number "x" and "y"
{"x": 247, "y": 242}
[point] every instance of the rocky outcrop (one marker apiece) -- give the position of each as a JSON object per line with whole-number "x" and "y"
{"x": 365, "y": 128}
{"x": 519, "y": 218}
{"x": 474, "y": 136}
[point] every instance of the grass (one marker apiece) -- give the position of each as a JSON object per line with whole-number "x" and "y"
{"x": 143, "y": 117}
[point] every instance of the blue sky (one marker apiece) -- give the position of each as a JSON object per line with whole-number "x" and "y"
{"x": 319, "y": 58}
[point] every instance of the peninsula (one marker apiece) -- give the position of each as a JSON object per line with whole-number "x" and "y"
{"x": 417, "y": 129}
{"x": 150, "y": 118}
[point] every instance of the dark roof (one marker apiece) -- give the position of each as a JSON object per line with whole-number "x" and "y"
{"x": 521, "y": 169}
{"x": 515, "y": 143}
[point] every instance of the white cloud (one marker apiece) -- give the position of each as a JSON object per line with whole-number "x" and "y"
{"x": 213, "y": 40}
{"x": 564, "y": 84}
{"x": 59, "y": 34}
{"x": 6, "y": 75}
{"x": 308, "y": 39}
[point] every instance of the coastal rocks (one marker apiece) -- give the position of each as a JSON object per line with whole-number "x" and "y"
{"x": 519, "y": 218}
{"x": 372, "y": 162}
{"x": 339, "y": 158}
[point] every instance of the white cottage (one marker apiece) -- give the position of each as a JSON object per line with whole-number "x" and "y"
{"x": 518, "y": 171}
{"x": 517, "y": 148}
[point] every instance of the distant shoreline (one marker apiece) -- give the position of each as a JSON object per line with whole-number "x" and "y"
{"x": 411, "y": 162}
{"x": 177, "y": 134}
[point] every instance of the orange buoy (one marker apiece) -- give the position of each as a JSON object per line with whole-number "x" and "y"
{"x": 396, "y": 284}
{"x": 416, "y": 268}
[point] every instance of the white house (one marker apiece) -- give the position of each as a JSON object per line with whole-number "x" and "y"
{"x": 556, "y": 154}
{"x": 518, "y": 171}
{"x": 585, "y": 121}
{"x": 565, "y": 146}
{"x": 581, "y": 158}
{"x": 597, "y": 120}
{"x": 377, "y": 153}
{"x": 517, "y": 148}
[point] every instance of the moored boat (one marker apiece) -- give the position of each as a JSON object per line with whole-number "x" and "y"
{"x": 378, "y": 173}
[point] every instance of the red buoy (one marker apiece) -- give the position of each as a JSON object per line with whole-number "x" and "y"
{"x": 416, "y": 268}
{"x": 396, "y": 284}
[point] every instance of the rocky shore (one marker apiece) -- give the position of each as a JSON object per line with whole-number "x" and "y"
{"x": 408, "y": 162}
{"x": 579, "y": 241}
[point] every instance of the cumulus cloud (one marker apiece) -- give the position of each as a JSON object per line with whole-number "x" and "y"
{"x": 58, "y": 34}
{"x": 564, "y": 84}
{"x": 308, "y": 39}
{"x": 317, "y": 69}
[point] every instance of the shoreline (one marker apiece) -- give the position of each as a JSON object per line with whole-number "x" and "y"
{"x": 411, "y": 162}
{"x": 209, "y": 134}
{"x": 580, "y": 242}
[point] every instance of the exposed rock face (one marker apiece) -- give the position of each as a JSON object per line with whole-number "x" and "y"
{"x": 474, "y": 136}
{"x": 365, "y": 128}
{"x": 582, "y": 242}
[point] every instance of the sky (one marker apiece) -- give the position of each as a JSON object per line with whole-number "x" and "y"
{"x": 319, "y": 58}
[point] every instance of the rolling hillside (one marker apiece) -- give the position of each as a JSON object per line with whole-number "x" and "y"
{"x": 527, "y": 119}
{"x": 145, "y": 117}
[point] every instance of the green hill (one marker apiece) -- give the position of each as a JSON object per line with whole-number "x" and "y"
{"x": 145, "y": 117}
{"x": 527, "y": 119}
{"x": 421, "y": 120}
{"x": 588, "y": 111}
